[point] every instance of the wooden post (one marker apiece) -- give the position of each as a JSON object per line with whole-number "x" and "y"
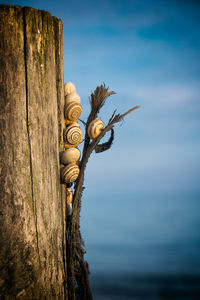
{"x": 32, "y": 200}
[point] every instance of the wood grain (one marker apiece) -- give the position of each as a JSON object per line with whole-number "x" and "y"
{"x": 32, "y": 200}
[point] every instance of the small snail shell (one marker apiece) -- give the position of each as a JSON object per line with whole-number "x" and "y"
{"x": 94, "y": 128}
{"x": 69, "y": 88}
{"x": 70, "y": 173}
{"x": 73, "y": 111}
{"x": 74, "y": 97}
{"x": 69, "y": 156}
{"x": 72, "y": 135}
{"x": 69, "y": 195}
{"x": 69, "y": 209}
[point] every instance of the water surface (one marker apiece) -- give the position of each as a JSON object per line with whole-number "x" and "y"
{"x": 144, "y": 245}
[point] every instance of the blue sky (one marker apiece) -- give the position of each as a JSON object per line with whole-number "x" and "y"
{"x": 149, "y": 53}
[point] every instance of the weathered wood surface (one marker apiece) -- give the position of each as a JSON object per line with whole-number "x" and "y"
{"x": 32, "y": 200}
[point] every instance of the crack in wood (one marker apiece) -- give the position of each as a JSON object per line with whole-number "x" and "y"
{"x": 29, "y": 136}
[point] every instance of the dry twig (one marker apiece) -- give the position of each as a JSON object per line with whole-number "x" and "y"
{"x": 76, "y": 253}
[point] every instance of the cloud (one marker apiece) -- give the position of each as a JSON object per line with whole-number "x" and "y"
{"x": 153, "y": 167}
{"x": 129, "y": 59}
{"x": 168, "y": 96}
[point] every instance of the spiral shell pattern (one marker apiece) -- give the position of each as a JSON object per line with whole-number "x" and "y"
{"x": 74, "y": 97}
{"x": 70, "y": 173}
{"x": 73, "y": 111}
{"x": 69, "y": 195}
{"x": 72, "y": 135}
{"x": 69, "y": 88}
{"x": 69, "y": 156}
{"x": 94, "y": 128}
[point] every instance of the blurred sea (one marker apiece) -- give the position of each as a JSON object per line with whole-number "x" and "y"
{"x": 143, "y": 246}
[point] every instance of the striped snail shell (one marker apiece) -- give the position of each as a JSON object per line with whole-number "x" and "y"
{"x": 73, "y": 111}
{"x": 94, "y": 128}
{"x": 69, "y": 88}
{"x": 74, "y": 97}
{"x": 69, "y": 195}
{"x": 72, "y": 135}
{"x": 69, "y": 156}
{"x": 70, "y": 173}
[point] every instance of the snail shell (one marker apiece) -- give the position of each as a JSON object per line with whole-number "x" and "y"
{"x": 73, "y": 111}
{"x": 69, "y": 88}
{"x": 69, "y": 156}
{"x": 72, "y": 135}
{"x": 70, "y": 173}
{"x": 69, "y": 195}
{"x": 94, "y": 128}
{"x": 74, "y": 97}
{"x": 69, "y": 209}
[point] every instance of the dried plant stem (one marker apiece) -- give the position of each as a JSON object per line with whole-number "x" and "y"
{"x": 78, "y": 268}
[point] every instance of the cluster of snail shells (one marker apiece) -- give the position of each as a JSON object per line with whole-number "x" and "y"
{"x": 72, "y": 134}
{"x": 95, "y": 128}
